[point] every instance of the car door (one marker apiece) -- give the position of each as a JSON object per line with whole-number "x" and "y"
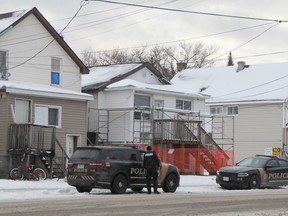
{"x": 276, "y": 175}
{"x": 137, "y": 173}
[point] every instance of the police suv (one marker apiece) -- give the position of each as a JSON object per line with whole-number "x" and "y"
{"x": 254, "y": 172}
{"x": 115, "y": 168}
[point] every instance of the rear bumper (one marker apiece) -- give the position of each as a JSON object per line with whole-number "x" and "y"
{"x": 86, "y": 181}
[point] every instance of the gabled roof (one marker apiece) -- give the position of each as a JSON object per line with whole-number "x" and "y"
{"x": 102, "y": 76}
{"x": 253, "y": 84}
{"x": 9, "y": 20}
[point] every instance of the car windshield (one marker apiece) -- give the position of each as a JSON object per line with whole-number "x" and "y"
{"x": 253, "y": 162}
{"x": 87, "y": 154}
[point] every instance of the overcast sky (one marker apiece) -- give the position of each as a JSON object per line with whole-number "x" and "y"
{"x": 105, "y": 26}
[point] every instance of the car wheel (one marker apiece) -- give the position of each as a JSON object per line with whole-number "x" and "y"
{"x": 254, "y": 182}
{"x": 170, "y": 184}
{"x": 83, "y": 189}
{"x": 119, "y": 185}
{"x": 137, "y": 189}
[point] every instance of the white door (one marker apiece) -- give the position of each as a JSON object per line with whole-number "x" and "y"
{"x": 22, "y": 111}
{"x": 72, "y": 142}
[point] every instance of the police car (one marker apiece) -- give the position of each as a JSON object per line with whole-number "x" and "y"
{"x": 254, "y": 172}
{"x": 115, "y": 168}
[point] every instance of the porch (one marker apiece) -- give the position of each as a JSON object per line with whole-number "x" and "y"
{"x": 40, "y": 146}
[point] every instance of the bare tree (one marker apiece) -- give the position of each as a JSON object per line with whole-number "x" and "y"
{"x": 89, "y": 57}
{"x": 164, "y": 58}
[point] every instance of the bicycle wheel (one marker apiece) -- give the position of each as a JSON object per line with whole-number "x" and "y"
{"x": 40, "y": 174}
{"x": 16, "y": 174}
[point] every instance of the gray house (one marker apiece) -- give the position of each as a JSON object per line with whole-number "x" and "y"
{"x": 42, "y": 108}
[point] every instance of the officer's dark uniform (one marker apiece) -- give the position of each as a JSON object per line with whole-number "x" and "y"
{"x": 152, "y": 164}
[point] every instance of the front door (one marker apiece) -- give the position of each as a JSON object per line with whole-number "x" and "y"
{"x": 72, "y": 142}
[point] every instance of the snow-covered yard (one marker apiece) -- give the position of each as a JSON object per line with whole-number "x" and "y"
{"x": 59, "y": 189}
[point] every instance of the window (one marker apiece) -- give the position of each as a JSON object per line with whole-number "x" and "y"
{"x": 232, "y": 110}
{"x": 184, "y": 105}
{"x": 3, "y": 65}
{"x": 48, "y": 115}
{"x": 55, "y": 71}
{"x": 22, "y": 111}
{"x": 216, "y": 110}
{"x": 158, "y": 113}
{"x": 142, "y": 107}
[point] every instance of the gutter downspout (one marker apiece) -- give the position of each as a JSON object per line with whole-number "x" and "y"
{"x": 284, "y": 137}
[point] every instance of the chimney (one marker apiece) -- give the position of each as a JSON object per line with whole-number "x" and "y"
{"x": 181, "y": 66}
{"x": 241, "y": 66}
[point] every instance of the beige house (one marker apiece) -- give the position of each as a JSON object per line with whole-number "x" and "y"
{"x": 42, "y": 108}
{"x": 254, "y": 96}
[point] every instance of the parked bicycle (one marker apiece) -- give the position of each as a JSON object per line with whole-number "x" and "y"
{"x": 24, "y": 172}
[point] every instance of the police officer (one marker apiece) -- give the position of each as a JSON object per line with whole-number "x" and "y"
{"x": 152, "y": 165}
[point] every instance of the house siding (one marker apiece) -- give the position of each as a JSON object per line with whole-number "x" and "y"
{"x": 38, "y": 68}
{"x": 257, "y": 127}
{"x": 73, "y": 122}
{"x": 146, "y": 76}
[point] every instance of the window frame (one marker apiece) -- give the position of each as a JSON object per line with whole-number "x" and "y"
{"x": 56, "y": 71}
{"x": 234, "y": 111}
{"x": 44, "y": 113}
{"x": 219, "y": 110}
{"x": 183, "y": 105}
{"x": 142, "y": 113}
{"x": 5, "y": 75}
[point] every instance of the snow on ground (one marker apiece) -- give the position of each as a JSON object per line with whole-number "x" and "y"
{"x": 12, "y": 190}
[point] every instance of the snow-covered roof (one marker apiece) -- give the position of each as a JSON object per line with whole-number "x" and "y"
{"x": 102, "y": 74}
{"x": 26, "y": 88}
{"x": 7, "y": 19}
{"x": 255, "y": 83}
{"x": 164, "y": 89}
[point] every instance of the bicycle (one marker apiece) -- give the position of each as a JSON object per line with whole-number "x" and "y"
{"x": 24, "y": 172}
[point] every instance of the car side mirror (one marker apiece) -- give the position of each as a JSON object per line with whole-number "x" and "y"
{"x": 267, "y": 167}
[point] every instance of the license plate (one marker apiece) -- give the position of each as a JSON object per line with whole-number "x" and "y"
{"x": 225, "y": 178}
{"x": 80, "y": 166}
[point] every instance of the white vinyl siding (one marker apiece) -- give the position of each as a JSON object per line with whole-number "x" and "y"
{"x": 38, "y": 69}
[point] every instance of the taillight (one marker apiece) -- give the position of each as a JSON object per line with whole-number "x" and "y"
{"x": 96, "y": 165}
{"x": 70, "y": 165}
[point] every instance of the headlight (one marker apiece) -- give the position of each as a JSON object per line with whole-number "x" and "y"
{"x": 241, "y": 175}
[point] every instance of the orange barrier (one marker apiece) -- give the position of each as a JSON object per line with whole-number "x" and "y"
{"x": 195, "y": 160}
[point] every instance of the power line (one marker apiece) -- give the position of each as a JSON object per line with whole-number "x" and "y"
{"x": 191, "y": 12}
{"x": 250, "y": 40}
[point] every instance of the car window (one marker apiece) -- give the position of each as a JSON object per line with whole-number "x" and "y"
{"x": 253, "y": 162}
{"x": 272, "y": 163}
{"x": 86, "y": 154}
{"x": 283, "y": 163}
{"x": 115, "y": 155}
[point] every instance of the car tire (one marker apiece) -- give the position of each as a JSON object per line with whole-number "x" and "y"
{"x": 119, "y": 185}
{"x": 137, "y": 189}
{"x": 170, "y": 184}
{"x": 83, "y": 189}
{"x": 254, "y": 182}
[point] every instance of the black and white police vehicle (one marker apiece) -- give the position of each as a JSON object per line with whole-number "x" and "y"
{"x": 254, "y": 172}
{"x": 115, "y": 168}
